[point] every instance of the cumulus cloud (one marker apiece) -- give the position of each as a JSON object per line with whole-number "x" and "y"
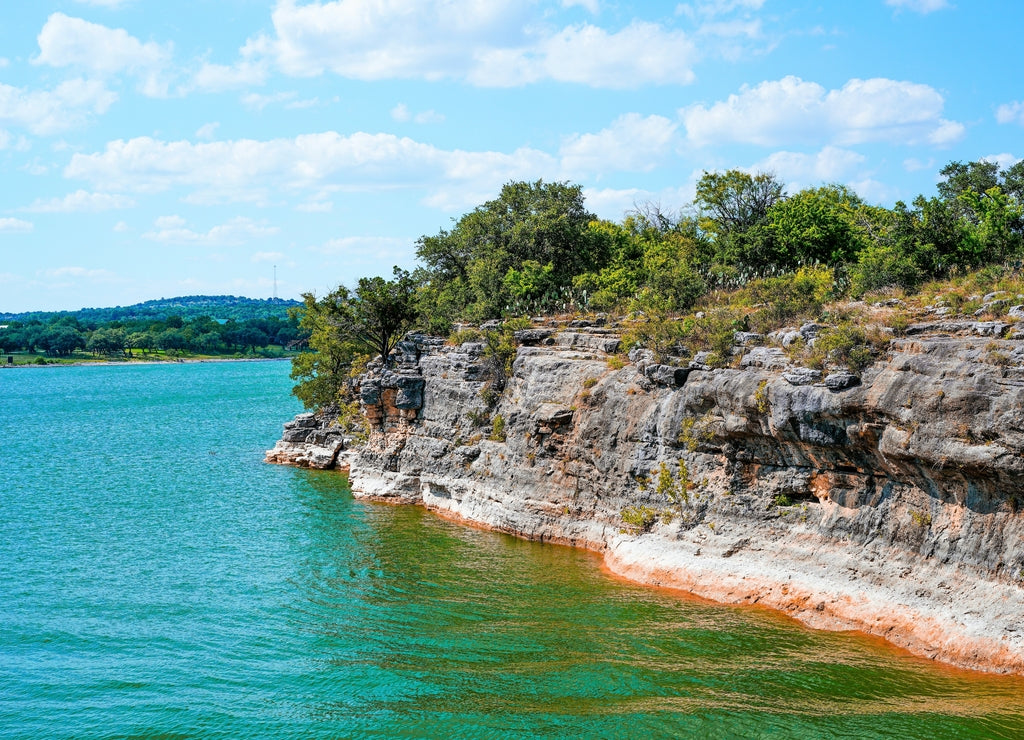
{"x": 631, "y": 143}
{"x": 242, "y": 169}
{"x": 173, "y": 230}
{"x": 68, "y": 106}
{"x": 1005, "y": 160}
{"x": 791, "y": 109}
{"x": 498, "y": 43}
{"x": 15, "y": 226}
{"x": 799, "y": 170}
{"x": 1011, "y": 113}
{"x": 72, "y": 42}
{"x": 919, "y": 6}
{"x": 641, "y": 53}
{"x": 81, "y": 201}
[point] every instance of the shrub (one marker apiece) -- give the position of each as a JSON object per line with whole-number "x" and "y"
{"x": 497, "y": 429}
{"x": 782, "y": 299}
{"x": 461, "y": 336}
{"x": 695, "y": 432}
{"x": 638, "y": 519}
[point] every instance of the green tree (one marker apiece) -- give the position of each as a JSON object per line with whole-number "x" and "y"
{"x": 815, "y": 226}
{"x": 734, "y": 206}
{"x": 542, "y": 223}
{"x": 382, "y": 311}
{"x": 346, "y": 325}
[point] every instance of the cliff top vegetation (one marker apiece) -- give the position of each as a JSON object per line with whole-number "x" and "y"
{"x": 744, "y": 256}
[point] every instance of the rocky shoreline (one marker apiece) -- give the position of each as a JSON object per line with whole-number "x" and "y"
{"x": 886, "y": 501}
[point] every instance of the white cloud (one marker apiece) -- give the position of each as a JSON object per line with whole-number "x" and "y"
{"x": 4, "y": 62}
{"x": 402, "y": 114}
{"x": 5, "y": 139}
{"x": 792, "y": 110}
{"x": 715, "y": 8}
{"x": 245, "y": 168}
{"x": 165, "y": 223}
{"x": 256, "y": 101}
{"x": 366, "y": 247}
{"x": 612, "y": 203}
{"x": 81, "y": 201}
{"x": 73, "y": 42}
{"x": 912, "y": 164}
{"x": 207, "y": 131}
{"x": 219, "y": 77}
{"x": 498, "y": 43}
{"x": 1005, "y": 160}
{"x": 121, "y": 227}
{"x": 632, "y": 143}
{"x": 641, "y": 53}
{"x": 172, "y": 230}
{"x": 1011, "y": 113}
{"x": 68, "y": 106}
{"x": 378, "y": 39}
{"x": 799, "y": 170}
{"x": 15, "y": 226}
{"x": 919, "y": 6}
{"x": 81, "y": 273}
{"x": 590, "y": 5}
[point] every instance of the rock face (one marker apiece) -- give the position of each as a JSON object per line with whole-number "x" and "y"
{"x": 309, "y": 441}
{"x": 885, "y": 502}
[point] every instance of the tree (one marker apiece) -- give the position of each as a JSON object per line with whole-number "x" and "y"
{"x": 735, "y": 205}
{"x": 383, "y": 311}
{"x": 344, "y": 325}
{"x": 735, "y": 201}
{"x": 815, "y": 226}
{"x": 542, "y": 223}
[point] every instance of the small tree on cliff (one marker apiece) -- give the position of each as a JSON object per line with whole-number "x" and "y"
{"x": 382, "y": 311}
{"x": 344, "y": 326}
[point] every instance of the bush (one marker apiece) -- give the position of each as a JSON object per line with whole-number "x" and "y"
{"x": 638, "y": 519}
{"x": 781, "y": 300}
{"x": 497, "y": 429}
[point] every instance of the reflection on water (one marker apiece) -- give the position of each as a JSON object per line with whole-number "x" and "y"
{"x": 159, "y": 580}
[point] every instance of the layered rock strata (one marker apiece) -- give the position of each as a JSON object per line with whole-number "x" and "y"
{"x": 885, "y": 502}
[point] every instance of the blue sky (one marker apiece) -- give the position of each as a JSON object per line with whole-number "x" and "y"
{"x": 159, "y": 149}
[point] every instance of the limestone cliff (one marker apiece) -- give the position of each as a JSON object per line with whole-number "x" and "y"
{"x": 885, "y": 502}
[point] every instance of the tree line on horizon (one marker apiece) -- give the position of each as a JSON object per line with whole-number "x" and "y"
{"x": 63, "y": 335}
{"x": 536, "y": 249}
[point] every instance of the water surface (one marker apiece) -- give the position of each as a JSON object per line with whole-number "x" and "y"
{"x": 159, "y": 580}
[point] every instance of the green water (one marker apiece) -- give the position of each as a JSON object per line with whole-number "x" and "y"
{"x": 157, "y": 579}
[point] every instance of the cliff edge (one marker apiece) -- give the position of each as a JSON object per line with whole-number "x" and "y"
{"x": 886, "y": 501}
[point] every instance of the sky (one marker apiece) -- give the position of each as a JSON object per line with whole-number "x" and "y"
{"x": 157, "y": 149}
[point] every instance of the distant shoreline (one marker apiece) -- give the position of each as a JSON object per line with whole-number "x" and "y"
{"x": 125, "y": 363}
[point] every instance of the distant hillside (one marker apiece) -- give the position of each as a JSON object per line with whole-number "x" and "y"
{"x": 187, "y": 307}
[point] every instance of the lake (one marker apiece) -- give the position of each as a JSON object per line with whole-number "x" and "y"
{"x": 157, "y": 579}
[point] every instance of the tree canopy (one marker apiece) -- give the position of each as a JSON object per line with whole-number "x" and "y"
{"x": 535, "y": 248}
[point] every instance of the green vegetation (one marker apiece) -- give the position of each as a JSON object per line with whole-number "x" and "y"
{"x": 154, "y": 331}
{"x": 638, "y": 519}
{"x": 745, "y": 256}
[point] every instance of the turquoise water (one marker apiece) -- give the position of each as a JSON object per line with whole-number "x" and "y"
{"x": 158, "y": 580}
